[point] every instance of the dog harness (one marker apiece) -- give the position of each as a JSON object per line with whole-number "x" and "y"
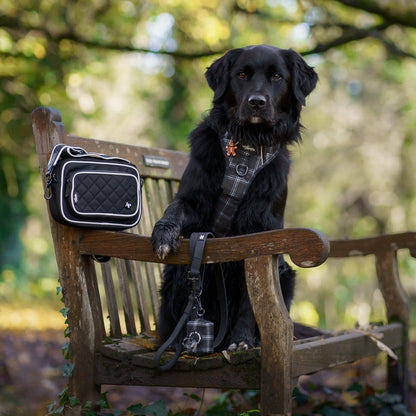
{"x": 242, "y": 164}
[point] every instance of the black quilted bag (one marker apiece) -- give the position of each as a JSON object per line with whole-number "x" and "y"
{"x": 92, "y": 190}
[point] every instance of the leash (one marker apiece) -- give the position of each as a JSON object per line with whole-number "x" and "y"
{"x": 196, "y": 247}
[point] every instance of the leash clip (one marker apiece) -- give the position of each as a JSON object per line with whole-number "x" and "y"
{"x": 50, "y": 178}
{"x": 191, "y": 341}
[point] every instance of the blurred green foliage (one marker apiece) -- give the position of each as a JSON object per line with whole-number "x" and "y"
{"x": 133, "y": 70}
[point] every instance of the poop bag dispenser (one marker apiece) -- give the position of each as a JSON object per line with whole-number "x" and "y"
{"x": 199, "y": 338}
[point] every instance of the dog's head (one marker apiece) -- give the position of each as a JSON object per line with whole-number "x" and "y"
{"x": 262, "y": 90}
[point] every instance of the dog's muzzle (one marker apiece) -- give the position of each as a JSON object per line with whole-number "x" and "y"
{"x": 257, "y": 109}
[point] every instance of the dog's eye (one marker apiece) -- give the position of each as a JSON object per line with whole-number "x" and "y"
{"x": 242, "y": 75}
{"x": 276, "y": 77}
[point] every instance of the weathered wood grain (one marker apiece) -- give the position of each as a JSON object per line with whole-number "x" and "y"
{"x": 276, "y": 333}
{"x": 310, "y": 357}
{"x": 373, "y": 245}
{"x": 306, "y": 247}
{"x": 177, "y": 160}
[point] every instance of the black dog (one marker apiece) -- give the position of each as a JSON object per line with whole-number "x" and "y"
{"x": 259, "y": 92}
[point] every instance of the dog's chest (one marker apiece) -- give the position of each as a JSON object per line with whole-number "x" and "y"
{"x": 242, "y": 164}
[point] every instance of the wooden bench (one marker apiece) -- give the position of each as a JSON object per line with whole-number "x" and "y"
{"x": 113, "y": 306}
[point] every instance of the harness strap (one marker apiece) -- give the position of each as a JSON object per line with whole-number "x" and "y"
{"x": 240, "y": 171}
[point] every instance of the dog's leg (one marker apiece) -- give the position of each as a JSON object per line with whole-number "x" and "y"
{"x": 243, "y": 335}
{"x": 287, "y": 281}
{"x": 167, "y": 231}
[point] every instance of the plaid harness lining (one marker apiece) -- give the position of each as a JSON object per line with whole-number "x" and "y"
{"x": 240, "y": 171}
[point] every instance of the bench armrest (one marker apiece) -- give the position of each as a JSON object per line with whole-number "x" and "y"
{"x": 306, "y": 247}
{"x": 374, "y": 245}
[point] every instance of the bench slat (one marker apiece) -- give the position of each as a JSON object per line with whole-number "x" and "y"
{"x": 314, "y": 356}
{"x": 145, "y": 225}
{"x": 165, "y": 193}
{"x": 110, "y": 293}
{"x": 174, "y": 186}
{"x": 153, "y": 279}
{"x": 155, "y": 208}
{"x": 124, "y": 276}
{"x": 140, "y": 293}
{"x": 94, "y": 299}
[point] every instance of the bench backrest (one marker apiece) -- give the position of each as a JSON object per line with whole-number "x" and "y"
{"x": 128, "y": 290}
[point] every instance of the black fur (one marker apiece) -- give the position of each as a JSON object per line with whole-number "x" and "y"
{"x": 259, "y": 92}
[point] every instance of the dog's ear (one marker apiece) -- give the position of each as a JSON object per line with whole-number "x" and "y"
{"x": 304, "y": 78}
{"x": 218, "y": 74}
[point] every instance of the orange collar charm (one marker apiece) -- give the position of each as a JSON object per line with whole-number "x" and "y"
{"x": 231, "y": 148}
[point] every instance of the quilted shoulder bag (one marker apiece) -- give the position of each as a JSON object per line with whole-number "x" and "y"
{"x": 92, "y": 190}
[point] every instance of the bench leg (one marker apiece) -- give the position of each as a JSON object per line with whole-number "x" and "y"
{"x": 397, "y": 309}
{"x": 276, "y": 333}
{"x": 77, "y": 278}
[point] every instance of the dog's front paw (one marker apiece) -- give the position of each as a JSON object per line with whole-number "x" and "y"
{"x": 163, "y": 251}
{"x": 165, "y": 239}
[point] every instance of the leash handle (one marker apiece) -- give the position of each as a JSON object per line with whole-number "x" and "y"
{"x": 181, "y": 323}
{"x": 196, "y": 248}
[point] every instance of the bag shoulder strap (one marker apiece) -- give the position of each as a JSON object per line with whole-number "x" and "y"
{"x": 63, "y": 151}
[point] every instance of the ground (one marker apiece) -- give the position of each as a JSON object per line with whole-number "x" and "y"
{"x": 31, "y": 378}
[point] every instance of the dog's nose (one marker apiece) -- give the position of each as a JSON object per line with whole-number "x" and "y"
{"x": 257, "y": 101}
